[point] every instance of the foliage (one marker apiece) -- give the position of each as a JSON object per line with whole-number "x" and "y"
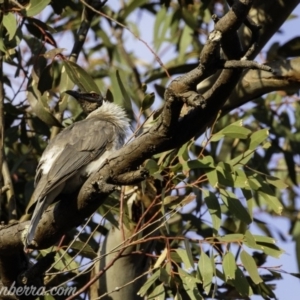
{"x": 207, "y": 198}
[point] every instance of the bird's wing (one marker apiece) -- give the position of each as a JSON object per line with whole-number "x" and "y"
{"x": 77, "y": 145}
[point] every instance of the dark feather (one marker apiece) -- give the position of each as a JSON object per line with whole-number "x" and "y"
{"x": 79, "y": 150}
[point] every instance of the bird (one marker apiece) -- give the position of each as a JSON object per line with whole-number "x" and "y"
{"x": 76, "y": 153}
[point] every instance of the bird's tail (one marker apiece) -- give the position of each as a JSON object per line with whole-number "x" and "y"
{"x": 40, "y": 207}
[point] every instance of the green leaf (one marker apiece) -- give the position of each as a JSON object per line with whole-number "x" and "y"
{"x": 151, "y": 166}
{"x": 190, "y": 20}
{"x": 178, "y": 297}
{"x": 278, "y": 183}
{"x": 257, "y": 138}
{"x": 250, "y": 200}
{"x": 189, "y": 252}
{"x": 234, "y": 131}
{"x": 80, "y": 77}
{"x": 214, "y": 210}
{"x": 251, "y": 267}
{"x": 161, "y": 26}
{"x": 64, "y": 262}
{"x": 150, "y": 281}
{"x": 126, "y": 98}
{"x": 51, "y": 54}
{"x": 289, "y": 160}
{"x": 206, "y": 271}
{"x": 272, "y": 201}
{"x": 10, "y": 23}
{"x": 296, "y": 238}
{"x": 65, "y": 84}
{"x": 241, "y": 284}
{"x": 8, "y": 44}
{"x": 185, "y": 41}
{"x": 229, "y": 266}
{"x": 176, "y": 201}
{"x": 267, "y": 245}
{"x": 165, "y": 274}
{"x": 84, "y": 249}
{"x": 264, "y": 239}
{"x": 254, "y": 183}
{"x": 227, "y": 176}
{"x": 105, "y": 211}
{"x": 35, "y": 7}
{"x": 148, "y": 101}
{"x": 183, "y": 153}
{"x": 158, "y": 293}
{"x": 231, "y": 238}
{"x": 202, "y": 163}
{"x": 39, "y": 106}
{"x": 49, "y": 77}
{"x": 190, "y": 285}
{"x": 271, "y": 250}
{"x": 242, "y": 159}
{"x": 131, "y": 6}
{"x": 235, "y": 206}
{"x": 249, "y": 239}
{"x": 185, "y": 259}
{"x": 265, "y": 291}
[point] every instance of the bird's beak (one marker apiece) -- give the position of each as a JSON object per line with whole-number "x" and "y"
{"x": 74, "y": 94}
{"x": 89, "y": 97}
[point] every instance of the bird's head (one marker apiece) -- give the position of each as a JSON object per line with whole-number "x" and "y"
{"x": 88, "y": 101}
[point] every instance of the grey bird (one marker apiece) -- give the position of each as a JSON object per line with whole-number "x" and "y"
{"x": 76, "y": 153}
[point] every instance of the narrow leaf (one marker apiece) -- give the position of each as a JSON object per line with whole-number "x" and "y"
{"x": 150, "y": 281}
{"x": 272, "y": 201}
{"x": 214, "y": 210}
{"x": 257, "y": 138}
{"x": 158, "y": 293}
{"x": 206, "y": 271}
{"x": 10, "y": 23}
{"x": 241, "y": 284}
{"x": 84, "y": 249}
{"x": 251, "y": 267}
{"x": 229, "y": 266}
{"x": 231, "y": 238}
{"x": 185, "y": 259}
{"x": 80, "y": 77}
{"x": 35, "y": 7}
{"x": 235, "y": 206}
{"x": 148, "y": 101}
{"x": 235, "y": 131}
{"x": 190, "y": 285}
{"x": 126, "y": 98}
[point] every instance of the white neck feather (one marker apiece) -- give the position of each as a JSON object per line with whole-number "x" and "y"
{"x": 112, "y": 112}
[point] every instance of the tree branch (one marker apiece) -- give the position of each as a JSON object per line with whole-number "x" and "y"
{"x": 255, "y": 83}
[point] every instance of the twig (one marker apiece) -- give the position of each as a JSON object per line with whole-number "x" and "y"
{"x": 137, "y": 37}
{"x": 10, "y": 193}
{"x": 4, "y": 189}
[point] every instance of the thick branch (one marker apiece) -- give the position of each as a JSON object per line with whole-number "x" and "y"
{"x": 270, "y": 15}
{"x": 255, "y": 83}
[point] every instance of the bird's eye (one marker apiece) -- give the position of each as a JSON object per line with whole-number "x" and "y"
{"x": 94, "y": 95}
